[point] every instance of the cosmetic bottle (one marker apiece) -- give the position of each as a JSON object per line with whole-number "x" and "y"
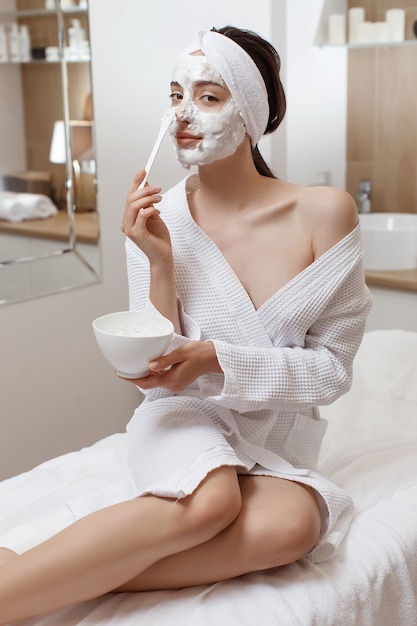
{"x": 76, "y": 37}
{"x": 4, "y": 53}
{"x": 24, "y": 40}
{"x": 14, "y": 43}
{"x": 363, "y": 199}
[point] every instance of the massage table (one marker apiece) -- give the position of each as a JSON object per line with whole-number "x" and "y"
{"x": 370, "y": 450}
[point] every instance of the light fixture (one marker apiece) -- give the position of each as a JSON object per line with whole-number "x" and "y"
{"x": 81, "y": 149}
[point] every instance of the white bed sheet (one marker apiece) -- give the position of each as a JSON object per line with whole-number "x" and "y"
{"x": 370, "y": 450}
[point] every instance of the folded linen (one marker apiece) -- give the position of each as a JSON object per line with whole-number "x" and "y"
{"x": 16, "y": 207}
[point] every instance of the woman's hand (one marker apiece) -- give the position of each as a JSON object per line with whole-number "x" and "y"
{"x": 142, "y": 224}
{"x": 178, "y": 369}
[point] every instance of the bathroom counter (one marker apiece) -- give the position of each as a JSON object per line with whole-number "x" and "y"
{"x": 56, "y": 227}
{"x": 399, "y": 279}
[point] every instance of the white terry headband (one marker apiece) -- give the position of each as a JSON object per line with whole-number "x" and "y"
{"x": 241, "y": 76}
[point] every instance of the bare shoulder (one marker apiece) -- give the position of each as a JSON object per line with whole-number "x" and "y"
{"x": 329, "y": 213}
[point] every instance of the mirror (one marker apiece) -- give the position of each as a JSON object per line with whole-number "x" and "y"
{"x": 49, "y": 223}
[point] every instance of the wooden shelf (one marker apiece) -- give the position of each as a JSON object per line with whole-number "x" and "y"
{"x": 330, "y": 7}
{"x": 57, "y": 227}
{"x": 399, "y": 279}
{"x": 356, "y": 46}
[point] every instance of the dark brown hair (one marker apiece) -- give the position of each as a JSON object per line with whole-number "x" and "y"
{"x": 267, "y": 60}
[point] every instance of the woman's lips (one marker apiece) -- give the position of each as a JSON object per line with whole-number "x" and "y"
{"x": 185, "y": 140}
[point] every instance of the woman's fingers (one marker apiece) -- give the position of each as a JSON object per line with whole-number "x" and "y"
{"x": 143, "y": 197}
{"x": 141, "y": 221}
{"x": 147, "y": 189}
{"x": 140, "y": 200}
{"x": 137, "y": 221}
{"x": 135, "y": 203}
{"x": 179, "y": 368}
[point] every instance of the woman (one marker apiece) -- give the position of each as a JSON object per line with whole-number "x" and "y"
{"x": 263, "y": 281}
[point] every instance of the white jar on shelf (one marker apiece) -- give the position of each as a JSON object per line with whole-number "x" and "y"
{"x": 24, "y": 42}
{"x": 356, "y": 17}
{"x": 67, "y": 4}
{"x": 381, "y": 32}
{"x": 52, "y": 54}
{"x": 14, "y": 43}
{"x": 77, "y": 41}
{"x": 396, "y": 24}
{"x": 365, "y": 33}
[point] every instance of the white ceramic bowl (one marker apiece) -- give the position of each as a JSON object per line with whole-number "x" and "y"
{"x": 130, "y": 339}
{"x": 390, "y": 240}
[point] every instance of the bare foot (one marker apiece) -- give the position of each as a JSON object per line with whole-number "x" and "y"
{"x": 6, "y": 555}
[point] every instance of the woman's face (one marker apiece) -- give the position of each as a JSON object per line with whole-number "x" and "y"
{"x": 207, "y": 126}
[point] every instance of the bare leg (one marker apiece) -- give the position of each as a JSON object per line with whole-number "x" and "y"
{"x": 279, "y": 523}
{"x": 6, "y": 555}
{"x": 107, "y": 548}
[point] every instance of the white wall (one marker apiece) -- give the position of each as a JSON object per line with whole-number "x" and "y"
{"x": 392, "y": 308}
{"x": 314, "y": 147}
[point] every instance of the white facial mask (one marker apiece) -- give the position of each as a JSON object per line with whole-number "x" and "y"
{"x": 222, "y": 132}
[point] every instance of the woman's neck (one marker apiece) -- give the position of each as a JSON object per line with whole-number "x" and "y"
{"x": 231, "y": 181}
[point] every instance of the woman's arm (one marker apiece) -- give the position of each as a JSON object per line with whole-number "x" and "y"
{"x": 143, "y": 225}
{"x": 293, "y": 377}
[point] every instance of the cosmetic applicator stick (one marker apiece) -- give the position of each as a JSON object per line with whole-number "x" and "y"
{"x": 165, "y": 122}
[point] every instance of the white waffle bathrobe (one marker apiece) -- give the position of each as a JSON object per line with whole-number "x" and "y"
{"x": 279, "y": 363}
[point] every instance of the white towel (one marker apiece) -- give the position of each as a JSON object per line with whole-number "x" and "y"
{"x": 16, "y": 207}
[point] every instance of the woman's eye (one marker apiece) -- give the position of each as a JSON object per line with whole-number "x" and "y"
{"x": 209, "y": 98}
{"x": 175, "y": 97}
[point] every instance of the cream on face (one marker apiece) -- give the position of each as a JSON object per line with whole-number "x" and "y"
{"x": 220, "y": 131}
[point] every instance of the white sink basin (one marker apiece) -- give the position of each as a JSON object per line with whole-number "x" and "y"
{"x": 390, "y": 240}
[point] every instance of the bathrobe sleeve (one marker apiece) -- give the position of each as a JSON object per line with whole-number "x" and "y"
{"x": 313, "y": 371}
{"x": 293, "y": 377}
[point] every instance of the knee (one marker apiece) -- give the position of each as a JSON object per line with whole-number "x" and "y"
{"x": 278, "y": 542}
{"x": 215, "y": 505}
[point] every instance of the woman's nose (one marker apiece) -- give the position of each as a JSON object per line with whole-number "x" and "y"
{"x": 183, "y": 111}
{"x": 180, "y": 113}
